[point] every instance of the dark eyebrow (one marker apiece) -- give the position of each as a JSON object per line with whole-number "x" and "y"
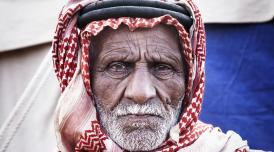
{"x": 117, "y": 54}
{"x": 162, "y": 53}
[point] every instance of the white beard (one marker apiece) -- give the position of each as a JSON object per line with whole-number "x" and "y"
{"x": 138, "y": 135}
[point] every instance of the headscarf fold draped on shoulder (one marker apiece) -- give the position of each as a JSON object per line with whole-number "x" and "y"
{"x": 77, "y": 126}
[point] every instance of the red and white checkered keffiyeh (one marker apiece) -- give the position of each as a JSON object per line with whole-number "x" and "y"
{"x": 77, "y": 126}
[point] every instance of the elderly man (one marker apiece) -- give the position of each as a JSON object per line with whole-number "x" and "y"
{"x": 132, "y": 77}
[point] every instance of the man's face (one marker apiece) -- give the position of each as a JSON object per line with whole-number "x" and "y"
{"x": 138, "y": 82}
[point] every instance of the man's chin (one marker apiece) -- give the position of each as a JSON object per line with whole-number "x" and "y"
{"x": 143, "y": 134}
{"x": 142, "y": 138}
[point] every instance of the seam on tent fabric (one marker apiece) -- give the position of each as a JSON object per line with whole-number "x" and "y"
{"x": 24, "y": 104}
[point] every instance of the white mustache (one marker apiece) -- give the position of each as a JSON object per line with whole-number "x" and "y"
{"x": 134, "y": 109}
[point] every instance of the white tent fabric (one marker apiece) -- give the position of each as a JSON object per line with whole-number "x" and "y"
{"x": 27, "y": 23}
{"x": 16, "y": 70}
{"x": 236, "y": 11}
{"x": 29, "y": 126}
{"x": 27, "y": 98}
{"x": 27, "y": 102}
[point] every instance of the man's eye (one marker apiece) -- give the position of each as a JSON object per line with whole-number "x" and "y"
{"x": 163, "y": 71}
{"x": 118, "y": 69}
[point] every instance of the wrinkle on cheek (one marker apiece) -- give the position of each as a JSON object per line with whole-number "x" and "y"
{"x": 108, "y": 90}
{"x": 176, "y": 89}
{"x": 171, "y": 91}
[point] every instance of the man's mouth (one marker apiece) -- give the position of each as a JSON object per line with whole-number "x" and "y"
{"x": 139, "y": 122}
{"x": 139, "y": 116}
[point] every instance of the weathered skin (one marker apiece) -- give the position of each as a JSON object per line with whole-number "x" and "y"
{"x": 146, "y": 54}
{"x": 137, "y": 68}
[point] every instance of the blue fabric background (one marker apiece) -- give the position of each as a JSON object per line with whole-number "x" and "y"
{"x": 239, "y": 92}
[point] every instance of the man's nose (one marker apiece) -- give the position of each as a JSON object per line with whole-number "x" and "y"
{"x": 140, "y": 88}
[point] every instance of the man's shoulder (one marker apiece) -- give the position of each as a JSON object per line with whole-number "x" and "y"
{"x": 214, "y": 140}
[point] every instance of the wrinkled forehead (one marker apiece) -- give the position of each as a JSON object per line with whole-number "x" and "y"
{"x": 159, "y": 39}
